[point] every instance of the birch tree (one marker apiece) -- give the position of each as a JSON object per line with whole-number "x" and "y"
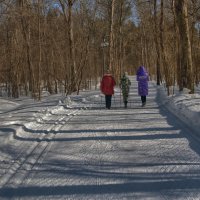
{"x": 158, "y": 63}
{"x": 69, "y": 21}
{"x": 111, "y": 50}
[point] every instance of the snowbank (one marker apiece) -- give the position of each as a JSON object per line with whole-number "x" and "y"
{"x": 7, "y": 105}
{"x": 185, "y": 106}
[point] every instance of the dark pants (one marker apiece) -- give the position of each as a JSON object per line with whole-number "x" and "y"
{"x": 143, "y": 98}
{"x": 108, "y": 99}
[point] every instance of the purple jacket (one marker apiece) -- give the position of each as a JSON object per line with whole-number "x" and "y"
{"x": 142, "y": 78}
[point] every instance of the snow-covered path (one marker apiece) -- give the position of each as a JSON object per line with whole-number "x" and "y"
{"x": 76, "y": 153}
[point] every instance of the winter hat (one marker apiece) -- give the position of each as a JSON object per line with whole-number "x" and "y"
{"x": 108, "y": 71}
{"x": 141, "y": 71}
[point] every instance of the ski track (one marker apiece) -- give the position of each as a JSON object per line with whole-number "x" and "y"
{"x": 17, "y": 170}
{"x": 87, "y": 152}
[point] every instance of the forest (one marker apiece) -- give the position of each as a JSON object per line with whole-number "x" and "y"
{"x": 66, "y": 45}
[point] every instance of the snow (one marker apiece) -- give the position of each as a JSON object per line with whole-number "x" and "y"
{"x": 185, "y": 106}
{"x": 73, "y": 148}
{"x": 7, "y": 105}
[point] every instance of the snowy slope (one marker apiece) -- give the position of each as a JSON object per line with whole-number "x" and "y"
{"x": 73, "y": 148}
{"x": 185, "y": 106}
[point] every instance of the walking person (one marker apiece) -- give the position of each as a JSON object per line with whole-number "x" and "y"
{"x": 142, "y": 78}
{"x": 125, "y": 86}
{"x": 107, "y": 87}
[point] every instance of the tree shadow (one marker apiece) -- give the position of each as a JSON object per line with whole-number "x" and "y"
{"x": 132, "y": 186}
{"x": 186, "y": 130}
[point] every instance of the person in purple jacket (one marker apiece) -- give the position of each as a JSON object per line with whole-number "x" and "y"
{"x": 142, "y": 78}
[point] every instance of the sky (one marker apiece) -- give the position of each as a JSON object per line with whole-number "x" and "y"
{"x": 73, "y": 148}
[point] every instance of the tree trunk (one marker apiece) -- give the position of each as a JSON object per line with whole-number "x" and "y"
{"x": 177, "y": 50}
{"x": 157, "y": 44}
{"x": 185, "y": 45}
{"x": 71, "y": 47}
{"x": 73, "y": 70}
{"x": 162, "y": 48}
{"x": 40, "y": 52}
{"x": 121, "y": 40}
{"x": 111, "y": 50}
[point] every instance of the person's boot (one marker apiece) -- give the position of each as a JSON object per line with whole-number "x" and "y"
{"x": 125, "y": 104}
{"x": 143, "y": 104}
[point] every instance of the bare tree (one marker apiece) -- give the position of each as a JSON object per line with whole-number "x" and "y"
{"x": 165, "y": 64}
{"x": 57, "y": 45}
{"x": 69, "y": 21}
{"x": 111, "y": 51}
{"x": 181, "y": 8}
{"x": 158, "y": 63}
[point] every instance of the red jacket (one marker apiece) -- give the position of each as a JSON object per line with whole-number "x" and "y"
{"x": 107, "y": 84}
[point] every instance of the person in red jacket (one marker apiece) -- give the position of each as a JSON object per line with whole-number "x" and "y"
{"x": 107, "y": 87}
